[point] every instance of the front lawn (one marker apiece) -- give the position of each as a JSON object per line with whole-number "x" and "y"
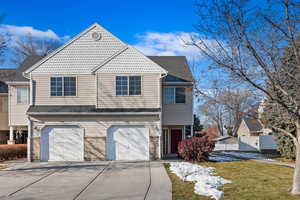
{"x": 284, "y": 160}
{"x": 250, "y": 180}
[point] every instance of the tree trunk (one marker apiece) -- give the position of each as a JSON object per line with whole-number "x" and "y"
{"x": 296, "y": 180}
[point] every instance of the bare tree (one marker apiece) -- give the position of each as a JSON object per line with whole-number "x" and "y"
{"x": 3, "y": 43}
{"x": 31, "y": 46}
{"x": 246, "y": 40}
{"x": 226, "y": 108}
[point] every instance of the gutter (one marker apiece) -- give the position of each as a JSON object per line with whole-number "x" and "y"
{"x": 90, "y": 113}
{"x": 179, "y": 83}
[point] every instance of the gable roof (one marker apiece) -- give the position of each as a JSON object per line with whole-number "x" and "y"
{"x": 254, "y": 125}
{"x": 16, "y": 74}
{"x": 85, "y": 55}
{"x": 176, "y": 66}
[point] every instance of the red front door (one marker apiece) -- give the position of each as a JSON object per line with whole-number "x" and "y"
{"x": 176, "y": 137}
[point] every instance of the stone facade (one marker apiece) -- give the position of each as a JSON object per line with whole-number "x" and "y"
{"x": 94, "y": 148}
{"x": 154, "y": 147}
{"x": 35, "y": 148}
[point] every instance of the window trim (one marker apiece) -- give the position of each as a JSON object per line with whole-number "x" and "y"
{"x": 174, "y": 92}
{"x": 27, "y": 88}
{"x": 128, "y": 95}
{"x": 76, "y": 78}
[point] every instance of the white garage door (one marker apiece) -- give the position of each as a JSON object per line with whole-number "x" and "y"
{"x": 128, "y": 143}
{"x": 62, "y": 143}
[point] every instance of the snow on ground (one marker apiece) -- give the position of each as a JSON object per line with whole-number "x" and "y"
{"x": 220, "y": 158}
{"x": 236, "y": 156}
{"x": 247, "y": 155}
{"x": 205, "y": 181}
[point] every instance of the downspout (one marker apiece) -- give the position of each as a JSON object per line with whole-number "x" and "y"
{"x": 29, "y": 128}
{"x": 160, "y": 115}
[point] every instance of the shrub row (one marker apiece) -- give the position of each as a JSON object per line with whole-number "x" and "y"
{"x": 12, "y": 151}
{"x": 195, "y": 149}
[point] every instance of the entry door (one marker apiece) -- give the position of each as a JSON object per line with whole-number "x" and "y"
{"x": 176, "y": 137}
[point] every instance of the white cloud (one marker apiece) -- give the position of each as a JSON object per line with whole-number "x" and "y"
{"x": 17, "y": 32}
{"x": 167, "y": 44}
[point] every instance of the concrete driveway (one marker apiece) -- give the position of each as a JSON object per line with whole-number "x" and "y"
{"x": 86, "y": 180}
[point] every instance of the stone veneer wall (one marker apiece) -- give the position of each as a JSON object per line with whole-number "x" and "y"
{"x": 154, "y": 147}
{"x": 36, "y": 149}
{"x": 94, "y": 148}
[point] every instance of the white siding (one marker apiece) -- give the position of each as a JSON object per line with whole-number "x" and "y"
{"x": 86, "y": 91}
{"x": 83, "y": 54}
{"x": 150, "y": 97}
{"x": 17, "y": 112}
{"x": 97, "y": 126}
{"x": 131, "y": 61}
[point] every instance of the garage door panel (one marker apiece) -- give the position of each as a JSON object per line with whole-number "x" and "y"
{"x": 62, "y": 143}
{"x": 128, "y": 143}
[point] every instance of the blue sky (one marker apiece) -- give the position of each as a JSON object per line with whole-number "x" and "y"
{"x": 155, "y": 27}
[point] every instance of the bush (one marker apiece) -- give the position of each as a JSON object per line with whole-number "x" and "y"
{"x": 12, "y": 151}
{"x": 195, "y": 149}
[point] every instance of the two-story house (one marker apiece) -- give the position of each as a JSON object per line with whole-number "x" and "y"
{"x": 97, "y": 98}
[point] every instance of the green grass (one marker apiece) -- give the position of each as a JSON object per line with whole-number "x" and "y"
{"x": 250, "y": 181}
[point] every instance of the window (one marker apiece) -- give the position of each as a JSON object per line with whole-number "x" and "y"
{"x": 128, "y": 85}
{"x": 121, "y": 85}
{"x": 22, "y": 95}
{"x": 188, "y": 131}
{"x": 134, "y": 85}
{"x": 69, "y": 86}
{"x": 174, "y": 95}
{"x": 180, "y": 95}
{"x": 169, "y": 96}
{"x": 56, "y": 86}
{"x": 63, "y": 86}
{"x": 3, "y": 104}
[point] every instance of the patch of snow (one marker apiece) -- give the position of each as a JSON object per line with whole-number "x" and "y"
{"x": 205, "y": 182}
{"x": 222, "y": 159}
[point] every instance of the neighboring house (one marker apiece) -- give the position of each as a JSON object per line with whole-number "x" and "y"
{"x": 97, "y": 98}
{"x": 14, "y": 100}
{"x": 4, "y": 129}
{"x": 253, "y": 136}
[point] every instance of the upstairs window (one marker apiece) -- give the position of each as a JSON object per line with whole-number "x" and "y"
{"x": 121, "y": 85}
{"x": 69, "y": 86}
{"x": 174, "y": 95}
{"x": 22, "y": 95}
{"x": 134, "y": 85}
{"x": 63, "y": 86}
{"x": 56, "y": 86}
{"x": 128, "y": 85}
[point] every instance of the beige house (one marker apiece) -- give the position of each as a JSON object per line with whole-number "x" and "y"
{"x": 253, "y": 136}
{"x": 97, "y": 98}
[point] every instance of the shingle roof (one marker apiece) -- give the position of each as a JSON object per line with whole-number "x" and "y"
{"x": 176, "y": 66}
{"x": 253, "y": 124}
{"x": 16, "y": 74}
{"x": 85, "y": 109}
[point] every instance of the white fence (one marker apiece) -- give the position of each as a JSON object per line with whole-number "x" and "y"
{"x": 257, "y": 143}
{"x": 249, "y": 143}
{"x": 226, "y": 147}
